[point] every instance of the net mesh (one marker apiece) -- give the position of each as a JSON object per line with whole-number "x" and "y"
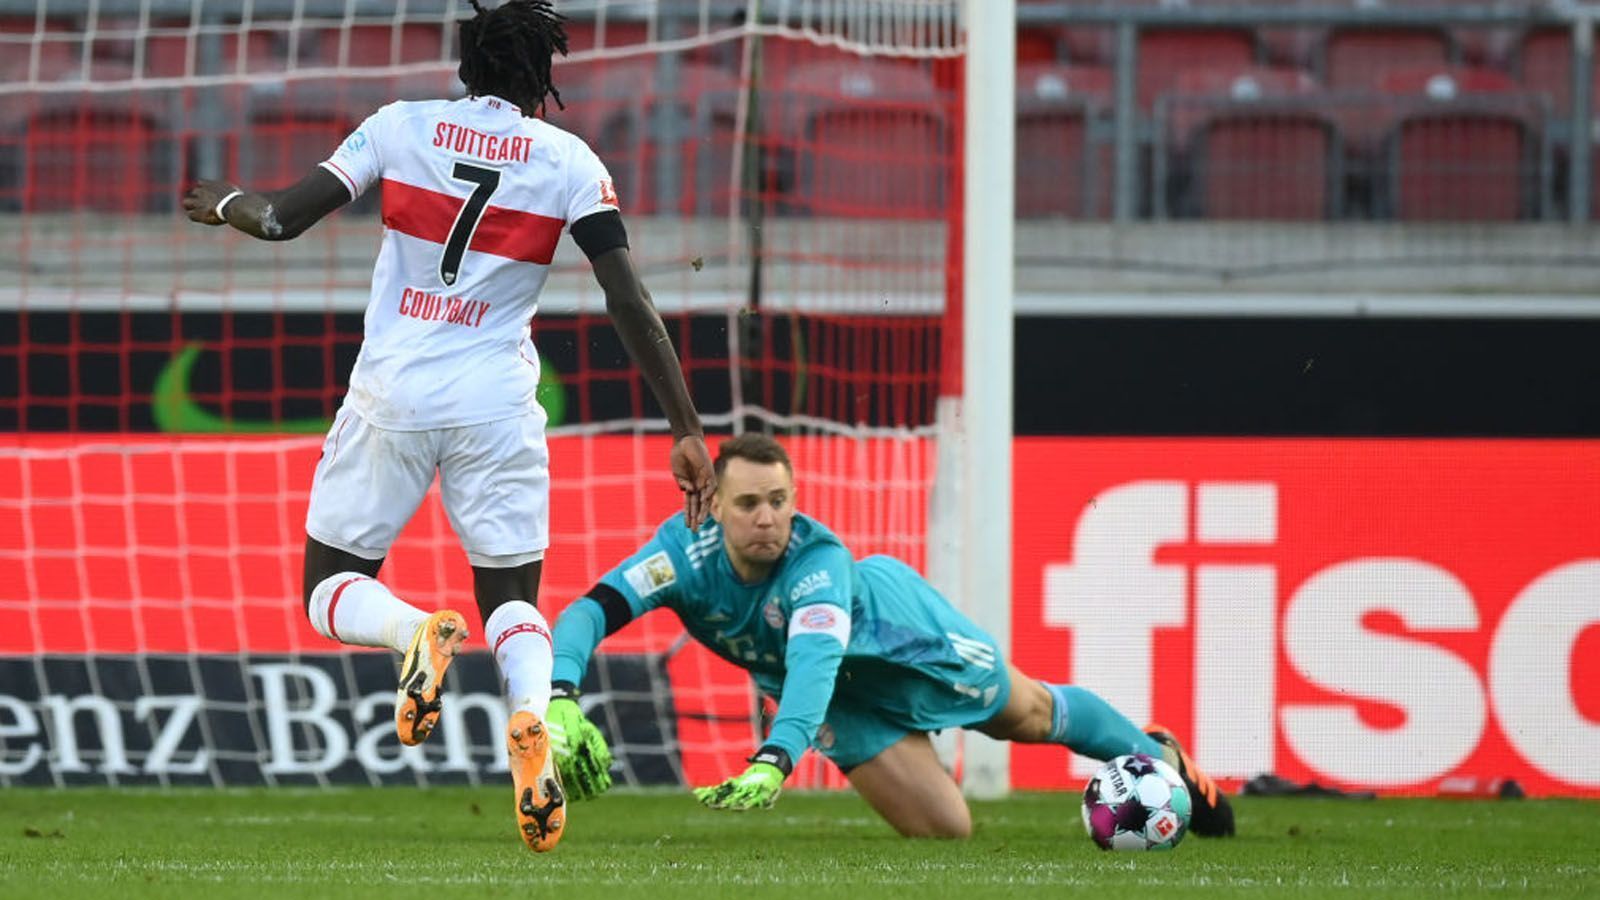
{"x": 787, "y": 183}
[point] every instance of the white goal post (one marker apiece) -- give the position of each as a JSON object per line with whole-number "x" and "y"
{"x": 985, "y": 415}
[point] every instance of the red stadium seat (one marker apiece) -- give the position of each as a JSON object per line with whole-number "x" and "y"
{"x": 1366, "y": 119}
{"x": 583, "y": 35}
{"x": 1459, "y": 163}
{"x": 1544, "y": 63}
{"x": 169, "y": 44}
{"x": 383, "y": 45}
{"x": 282, "y": 145}
{"x": 1357, "y": 58}
{"x": 95, "y": 153}
{"x": 1544, "y": 60}
{"x": 61, "y": 46}
{"x": 1165, "y": 53}
{"x": 108, "y": 151}
{"x": 1441, "y": 82}
{"x": 612, "y": 104}
{"x": 705, "y": 104}
{"x": 1406, "y": 89}
{"x": 166, "y": 53}
{"x": 1291, "y": 47}
{"x": 288, "y": 144}
{"x": 1252, "y": 143}
{"x": 1478, "y": 46}
{"x": 256, "y": 51}
{"x": 1254, "y": 161}
{"x": 1247, "y": 82}
{"x": 1089, "y": 46}
{"x": 874, "y": 140}
{"x": 1050, "y": 83}
{"x": 1038, "y": 44}
{"x": 607, "y": 105}
{"x": 1196, "y": 91}
{"x": 114, "y": 40}
{"x": 1062, "y": 170}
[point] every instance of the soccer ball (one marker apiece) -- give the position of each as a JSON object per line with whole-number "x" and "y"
{"x": 1136, "y": 802}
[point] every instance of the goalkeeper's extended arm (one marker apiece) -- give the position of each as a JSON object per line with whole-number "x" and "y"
{"x": 812, "y": 660}
{"x": 582, "y": 757}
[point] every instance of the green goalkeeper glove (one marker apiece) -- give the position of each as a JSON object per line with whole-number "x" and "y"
{"x": 755, "y": 788}
{"x": 582, "y": 758}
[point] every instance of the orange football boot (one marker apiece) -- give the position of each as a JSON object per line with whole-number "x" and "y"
{"x": 540, "y": 803}
{"x": 436, "y": 643}
{"x": 1212, "y": 814}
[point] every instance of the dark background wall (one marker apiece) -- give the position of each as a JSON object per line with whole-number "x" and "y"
{"x": 1308, "y": 376}
{"x": 92, "y": 371}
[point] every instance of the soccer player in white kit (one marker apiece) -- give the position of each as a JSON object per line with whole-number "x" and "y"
{"x": 476, "y": 193}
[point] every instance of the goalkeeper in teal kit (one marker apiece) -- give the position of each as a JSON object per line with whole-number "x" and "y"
{"x": 864, "y": 658}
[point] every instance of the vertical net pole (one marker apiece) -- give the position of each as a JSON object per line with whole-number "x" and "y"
{"x": 984, "y": 429}
{"x": 1581, "y": 174}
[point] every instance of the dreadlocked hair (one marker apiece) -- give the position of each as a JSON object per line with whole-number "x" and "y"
{"x": 507, "y": 51}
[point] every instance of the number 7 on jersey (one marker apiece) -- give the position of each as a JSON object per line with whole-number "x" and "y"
{"x": 484, "y": 181}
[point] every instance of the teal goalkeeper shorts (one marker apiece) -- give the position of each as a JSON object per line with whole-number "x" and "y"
{"x": 861, "y": 724}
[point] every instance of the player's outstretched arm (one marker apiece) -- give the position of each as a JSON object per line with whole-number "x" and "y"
{"x": 813, "y": 653}
{"x": 819, "y": 632}
{"x": 582, "y": 756}
{"x": 646, "y": 580}
{"x": 272, "y": 216}
{"x": 645, "y": 336}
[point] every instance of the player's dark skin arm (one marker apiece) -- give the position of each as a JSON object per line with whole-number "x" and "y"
{"x": 645, "y": 336}
{"x": 646, "y": 339}
{"x": 271, "y": 216}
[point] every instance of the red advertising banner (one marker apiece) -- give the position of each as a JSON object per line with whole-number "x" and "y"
{"x": 1404, "y": 615}
{"x": 130, "y": 544}
{"x": 121, "y": 547}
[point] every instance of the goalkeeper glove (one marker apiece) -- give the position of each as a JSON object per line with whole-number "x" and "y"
{"x": 755, "y": 788}
{"x": 582, "y": 758}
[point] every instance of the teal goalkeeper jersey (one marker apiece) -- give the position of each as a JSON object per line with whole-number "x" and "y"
{"x": 820, "y": 621}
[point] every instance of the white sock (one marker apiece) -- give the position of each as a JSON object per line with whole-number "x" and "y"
{"x": 354, "y": 609}
{"x": 520, "y": 639}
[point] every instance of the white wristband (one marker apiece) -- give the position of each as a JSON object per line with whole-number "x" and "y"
{"x": 223, "y": 203}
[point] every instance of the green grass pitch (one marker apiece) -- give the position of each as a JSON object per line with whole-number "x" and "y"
{"x": 459, "y": 842}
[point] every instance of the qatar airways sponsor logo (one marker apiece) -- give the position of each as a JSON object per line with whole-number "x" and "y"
{"x": 487, "y": 147}
{"x": 810, "y": 584}
{"x": 1113, "y": 596}
{"x": 431, "y": 307}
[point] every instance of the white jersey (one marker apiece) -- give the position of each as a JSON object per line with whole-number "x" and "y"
{"x": 475, "y": 197}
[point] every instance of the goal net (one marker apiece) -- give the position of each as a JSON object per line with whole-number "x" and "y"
{"x": 789, "y": 172}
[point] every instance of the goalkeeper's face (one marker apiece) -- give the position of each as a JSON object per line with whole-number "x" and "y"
{"x": 754, "y": 504}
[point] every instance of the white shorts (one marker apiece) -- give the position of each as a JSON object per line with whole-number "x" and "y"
{"x": 494, "y": 479}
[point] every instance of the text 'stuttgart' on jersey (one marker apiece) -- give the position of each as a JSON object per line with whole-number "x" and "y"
{"x": 475, "y": 197}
